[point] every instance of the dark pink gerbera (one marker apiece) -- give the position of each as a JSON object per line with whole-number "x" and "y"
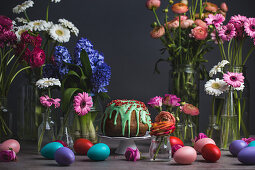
{"x": 233, "y": 79}
{"x": 227, "y": 32}
{"x": 249, "y": 27}
{"x": 238, "y": 21}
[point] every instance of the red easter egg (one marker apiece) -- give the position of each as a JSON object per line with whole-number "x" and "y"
{"x": 211, "y": 153}
{"x": 81, "y": 146}
{"x": 174, "y": 140}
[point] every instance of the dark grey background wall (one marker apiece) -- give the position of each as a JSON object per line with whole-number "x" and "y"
{"x": 120, "y": 29}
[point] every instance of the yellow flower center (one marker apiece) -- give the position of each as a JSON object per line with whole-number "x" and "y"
{"x": 59, "y": 32}
{"x": 37, "y": 23}
{"x": 21, "y": 31}
{"x": 215, "y": 85}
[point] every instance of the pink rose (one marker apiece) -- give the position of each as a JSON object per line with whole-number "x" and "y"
{"x": 155, "y": 102}
{"x": 157, "y": 32}
{"x": 189, "y": 109}
{"x": 153, "y": 4}
{"x": 171, "y": 100}
{"x": 7, "y": 156}
{"x": 132, "y": 155}
{"x": 37, "y": 58}
{"x": 224, "y": 7}
{"x": 200, "y": 23}
{"x": 187, "y": 23}
{"x": 199, "y": 33}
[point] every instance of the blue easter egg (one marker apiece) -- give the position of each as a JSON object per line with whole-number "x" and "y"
{"x": 64, "y": 156}
{"x": 251, "y": 144}
{"x": 236, "y": 146}
{"x": 99, "y": 152}
{"x": 247, "y": 156}
{"x": 48, "y": 151}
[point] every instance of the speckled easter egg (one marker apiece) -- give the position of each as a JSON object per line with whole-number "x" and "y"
{"x": 201, "y": 143}
{"x": 99, "y": 152}
{"x": 10, "y": 143}
{"x": 247, "y": 156}
{"x": 251, "y": 144}
{"x": 48, "y": 151}
{"x": 185, "y": 155}
{"x": 64, "y": 156}
{"x": 236, "y": 146}
{"x": 211, "y": 153}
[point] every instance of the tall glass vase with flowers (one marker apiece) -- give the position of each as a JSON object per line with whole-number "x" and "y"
{"x": 234, "y": 35}
{"x": 185, "y": 38}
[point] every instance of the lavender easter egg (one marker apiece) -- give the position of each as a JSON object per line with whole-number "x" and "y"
{"x": 185, "y": 155}
{"x": 201, "y": 143}
{"x": 236, "y": 146}
{"x": 247, "y": 156}
{"x": 64, "y": 156}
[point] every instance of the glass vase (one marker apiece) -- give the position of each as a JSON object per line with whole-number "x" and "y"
{"x": 64, "y": 134}
{"x": 184, "y": 83}
{"x": 179, "y": 127}
{"x": 229, "y": 121}
{"x": 213, "y": 130}
{"x": 46, "y": 130}
{"x": 6, "y": 120}
{"x": 160, "y": 149}
{"x": 189, "y": 130}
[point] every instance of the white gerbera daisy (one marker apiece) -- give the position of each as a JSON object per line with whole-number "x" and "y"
{"x": 47, "y": 82}
{"x": 59, "y": 33}
{"x": 21, "y": 20}
{"x": 40, "y": 25}
{"x": 56, "y": 1}
{"x": 22, "y": 8}
{"x": 215, "y": 87}
{"x": 69, "y": 25}
{"x": 20, "y": 30}
{"x": 217, "y": 68}
{"x": 240, "y": 88}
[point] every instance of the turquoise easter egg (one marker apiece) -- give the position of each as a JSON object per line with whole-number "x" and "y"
{"x": 99, "y": 152}
{"x": 48, "y": 151}
{"x": 251, "y": 144}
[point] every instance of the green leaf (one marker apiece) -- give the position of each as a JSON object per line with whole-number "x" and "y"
{"x": 104, "y": 96}
{"x": 67, "y": 96}
{"x": 86, "y": 63}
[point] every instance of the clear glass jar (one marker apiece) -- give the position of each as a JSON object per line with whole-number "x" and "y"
{"x": 64, "y": 134}
{"x": 213, "y": 130}
{"x": 160, "y": 149}
{"x": 6, "y": 120}
{"x": 189, "y": 131}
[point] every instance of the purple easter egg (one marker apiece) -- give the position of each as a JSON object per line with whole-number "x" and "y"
{"x": 64, "y": 156}
{"x": 236, "y": 146}
{"x": 247, "y": 156}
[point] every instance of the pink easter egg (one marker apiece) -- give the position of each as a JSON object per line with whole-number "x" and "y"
{"x": 10, "y": 143}
{"x": 185, "y": 155}
{"x": 201, "y": 143}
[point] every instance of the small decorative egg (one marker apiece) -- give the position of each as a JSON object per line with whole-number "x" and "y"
{"x": 236, "y": 146}
{"x": 247, "y": 155}
{"x": 174, "y": 141}
{"x": 211, "y": 153}
{"x": 10, "y": 143}
{"x": 201, "y": 143}
{"x": 99, "y": 152}
{"x": 185, "y": 155}
{"x": 251, "y": 144}
{"x": 81, "y": 146}
{"x": 64, "y": 156}
{"x": 48, "y": 151}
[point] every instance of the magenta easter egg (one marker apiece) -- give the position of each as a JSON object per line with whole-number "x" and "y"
{"x": 201, "y": 143}
{"x": 10, "y": 144}
{"x": 185, "y": 155}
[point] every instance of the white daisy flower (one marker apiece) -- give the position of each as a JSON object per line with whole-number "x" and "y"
{"x": 20, "y": 30}
{"x": 59, "y": 33}
{"x": 217, "y": 68}
{"x": 40, "y": 25}
{"x": 47, "y": 82}
{"x": 56, "y": 1}
{"x": 21, "y": 20}
{"x": 240, "y": 88}
{"x": 69, "y": 25}
{"x": 22, "y": 8}
{"x": 215, "y": 87}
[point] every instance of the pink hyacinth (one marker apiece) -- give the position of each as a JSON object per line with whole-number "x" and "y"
{"x": 215, "y": 20}
{"x": 199, "y": 33}
{"x": 249, "y": 27}
{"x": 155, "y": 102}
{"x": 233, "y": 79}
{"x": 227, "y": 32}
{"x": 48, "y": 102}
{"x": 157, "y": 32}
{"x": 248, "y": 140}
{"x": 175, "y": 148}
{"x": 153, "y": 4}
{"x": 82, "y": 103}
{"x": 171, "y": 100}
{"x": 7, "y": 156}
{"x": 37, "y": 58}
{"x": 200, "y": 136}
{"x": 189, "y": 109}
{"x": 132, "y": 154}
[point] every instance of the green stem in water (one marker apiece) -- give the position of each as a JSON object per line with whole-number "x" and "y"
{"x": 160, "y": 144}
{"x": 43, "y": 130}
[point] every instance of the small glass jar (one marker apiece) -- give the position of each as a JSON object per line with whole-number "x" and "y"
{"x": 65, "y": 134}
{"x": 213, "y": 130}
{"x": 189, "y": 131}
{"x": 160, "y": 149}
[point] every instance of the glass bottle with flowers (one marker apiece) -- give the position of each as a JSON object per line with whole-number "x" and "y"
{"x": 234, "y": 35}
{"x": 160, "y": 148}
{"x": 230, "y": 83}
{"x": 47, "y": 129}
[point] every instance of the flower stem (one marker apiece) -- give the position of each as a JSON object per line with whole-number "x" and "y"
{"x": 156, "y": 16}
{"x": 160, "y": 144}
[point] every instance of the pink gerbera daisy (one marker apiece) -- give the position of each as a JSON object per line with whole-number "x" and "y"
{"x": 233, "y": 79}
{"x": 238, "y": 22}
{"x": 215, "y": 20}
{"x": 82, "y": 103}
{"x": 227, "y": 32}
{"x": 249, "y": 27}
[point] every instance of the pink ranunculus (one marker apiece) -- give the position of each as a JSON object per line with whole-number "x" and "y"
{"x": 200, "y": 136}
{"x": 187, "y": 23}
{"x": 171, "y": 100}
{"x": 211, "y": 7}
{"x": 165, "y": 116}
{"x": 224, "y": 7}
{"x": 157, "y": 32}
{"x": 37, "y": 58}
{"x": 132, "y": 154}
{"x": 199, "y": 33}
{"x": 233, "y": 79}
{"x": 5, "y": 23}
{"x": 183, "y": 17}
{"x": 173, "y": 24}
{"x": 153, "y": 4}
{"x": 201, "y": 23}
{"x": 82, "y": 103}
{"x": 180, "y": 8}
{"x": 175, "y": 148}
{"x": 7, "y": 156}
{"x": 155, "y": 102}
{"x": 189, "y": 109}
